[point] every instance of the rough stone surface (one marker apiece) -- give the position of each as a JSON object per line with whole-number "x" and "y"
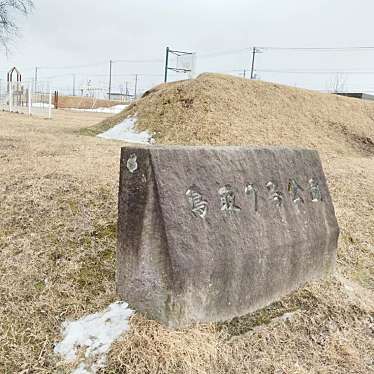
{"x": 210, "y": 233}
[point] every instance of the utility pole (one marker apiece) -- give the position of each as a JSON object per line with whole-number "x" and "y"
{"x": 253, "y": 62}
{"x": 126, "y": 91}
{"x": 136, "y": 86}
{"x": 73, "y": 84}
{"x": 166, "y": 64}
{"x": 35, "y": 78}
{"x": 244, "y": 71}
{"x": 110, "y": 78}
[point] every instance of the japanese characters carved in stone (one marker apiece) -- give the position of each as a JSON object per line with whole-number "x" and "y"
{"x": 211, "y": 233}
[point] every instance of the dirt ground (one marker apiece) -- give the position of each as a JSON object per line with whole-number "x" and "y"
{"x": 58, "y": 201}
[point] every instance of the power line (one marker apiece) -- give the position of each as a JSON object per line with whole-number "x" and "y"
{"x": 222, "y": 53}
{"x": 100, "y": 63}
{"x": 289, "y": 71}
{"x": 72, "y": 66}
{"x": 251, "y": 51}
{"x": 139, "y": 61}
{"x": 351, "y": 48}
{"x": 213, "y": 54}
{"x": 272, "y": 48}
{"x": 105, "y": 75}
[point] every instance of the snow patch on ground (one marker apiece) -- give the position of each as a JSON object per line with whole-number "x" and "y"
{"x": 42, "y": 105}
{"x": 126, "y": 131}
{"x": 113, "y": 109}
{"x": 94, "y": 333}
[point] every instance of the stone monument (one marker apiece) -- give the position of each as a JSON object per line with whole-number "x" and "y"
{"x": 211, "y": 233}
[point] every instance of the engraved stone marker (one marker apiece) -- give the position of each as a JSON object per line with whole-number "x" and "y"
{"x": 211, "y": 233}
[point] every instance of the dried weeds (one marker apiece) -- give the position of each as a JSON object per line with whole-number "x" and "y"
{"x": 221, "y": 109}
{"x": 58, "y": 240}
{"x": 83, "y": 102}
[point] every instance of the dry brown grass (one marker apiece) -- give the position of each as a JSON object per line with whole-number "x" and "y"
{"x": 57, "y": 261}
{"x": 308, "y": 332}
{"x": 80, "y": 102}
{"x": 221, "y": 109}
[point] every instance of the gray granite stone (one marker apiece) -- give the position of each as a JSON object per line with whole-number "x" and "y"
{"x": 211, "y": 233}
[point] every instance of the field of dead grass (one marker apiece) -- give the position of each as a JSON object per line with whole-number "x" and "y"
{"x": 80, "y": 102}
{"x": 57, "y": 260}
{"x": 222, "y": 109}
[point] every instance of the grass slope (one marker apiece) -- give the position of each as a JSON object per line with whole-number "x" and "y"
{"x": 221, "y": 109}
{"x": 80, "y": 102}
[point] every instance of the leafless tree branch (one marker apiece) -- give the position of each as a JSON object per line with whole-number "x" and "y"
{"x": 8, "y": 27}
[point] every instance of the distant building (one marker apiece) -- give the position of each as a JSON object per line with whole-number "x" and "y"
{"x": 356, "y": 95}
{"x": 119, "y": 96}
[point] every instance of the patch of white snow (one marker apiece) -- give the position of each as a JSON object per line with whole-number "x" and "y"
{"x": 126, "y": 131}
{"x": 113, "y": 109}
{"x": 42, "y": 105}
{"x": 94, "y": 333}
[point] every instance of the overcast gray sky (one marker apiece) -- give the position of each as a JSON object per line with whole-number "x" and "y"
{"x": 60, "y": 34}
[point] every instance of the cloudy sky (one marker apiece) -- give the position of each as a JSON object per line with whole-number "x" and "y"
{"x": 78, "y": 38}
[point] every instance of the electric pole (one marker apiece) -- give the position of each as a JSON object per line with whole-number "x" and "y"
{"x": 73, "y": 84}
{"x": 126, "y": 91}
{"x": 136, "y": 85}
{"x": 253, "y": 62}
{"x": 166, "y": 64}
{"x": 110, "y": 78}
{"x": 35, "y": 78}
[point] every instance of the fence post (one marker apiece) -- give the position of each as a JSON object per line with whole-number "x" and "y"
{"x": 50, "y": 104}
{"x": 10, "y": 97}
{"x": 56, "y": 100}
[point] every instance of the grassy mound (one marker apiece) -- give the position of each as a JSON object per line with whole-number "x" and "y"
{"x": 80, "y": 102}
{"x": 221, "y": 109}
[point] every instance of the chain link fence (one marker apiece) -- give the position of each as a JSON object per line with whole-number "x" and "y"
{"x": 27, "y": 98}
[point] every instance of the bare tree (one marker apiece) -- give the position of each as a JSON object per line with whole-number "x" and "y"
{"x": 8, "y": 10}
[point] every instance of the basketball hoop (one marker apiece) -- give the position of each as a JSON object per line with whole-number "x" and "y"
{"x": 183, "y": 62}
